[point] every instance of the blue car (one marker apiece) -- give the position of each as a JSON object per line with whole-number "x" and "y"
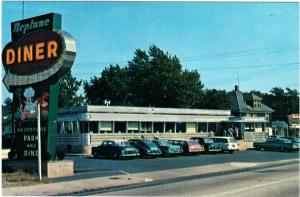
{"x": 167, "y": 148}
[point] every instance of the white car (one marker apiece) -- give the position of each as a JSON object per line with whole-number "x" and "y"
{"x": 226, "y": 144}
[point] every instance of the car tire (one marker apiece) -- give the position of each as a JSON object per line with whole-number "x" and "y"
{"x": 114, "y": 155}
{"x": 95, "y": 155}
{"x": 231, "y": 151}
{"x": 258, "y": 147}
{"x": 282, "y": 149}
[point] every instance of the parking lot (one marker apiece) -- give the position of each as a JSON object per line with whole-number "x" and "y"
{"x": 88, "y": 167}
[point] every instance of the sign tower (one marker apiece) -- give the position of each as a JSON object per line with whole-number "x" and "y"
{"x": 39, "y": 54}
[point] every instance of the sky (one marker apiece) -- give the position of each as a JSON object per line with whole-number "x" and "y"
{"x": 253, "y": 45}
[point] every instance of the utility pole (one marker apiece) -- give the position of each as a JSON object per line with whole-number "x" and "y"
{"x": 39, "y": 140}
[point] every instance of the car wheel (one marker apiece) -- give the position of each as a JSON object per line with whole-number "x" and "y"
{"x": 114, "y": 156}
{"x": 95, "y": 155}
{"x": 258, "y": 147}
{"x": 282, "y": 149}
{"x": 231, "y": 151}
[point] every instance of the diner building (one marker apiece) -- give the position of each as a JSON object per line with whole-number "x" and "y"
{"x": 84, "y": 126}
{"x": 80, "y": 128}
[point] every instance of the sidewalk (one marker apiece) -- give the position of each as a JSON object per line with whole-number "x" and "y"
{"x": 69, "y": 187}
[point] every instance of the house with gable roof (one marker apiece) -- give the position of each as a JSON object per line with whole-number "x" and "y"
{"x": 250, "y": 116}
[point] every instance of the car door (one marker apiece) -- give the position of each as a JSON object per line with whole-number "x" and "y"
{"x": 102, "y": 148}
{"x": 271, "y": 144}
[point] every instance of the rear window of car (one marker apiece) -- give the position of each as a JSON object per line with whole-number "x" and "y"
{"x": 123, "y": 143}
{"x": 163, "y": 142}
{"x": 208, "y": 140}
{"x": 192, "y": 143}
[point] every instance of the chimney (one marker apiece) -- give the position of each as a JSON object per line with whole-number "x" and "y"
{"x": 236, "y": 88}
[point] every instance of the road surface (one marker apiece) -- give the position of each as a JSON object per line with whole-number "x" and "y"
{"x": 272, "y": 181}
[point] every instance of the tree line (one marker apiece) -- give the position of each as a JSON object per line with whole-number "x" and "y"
{"x": 156, "y": 78}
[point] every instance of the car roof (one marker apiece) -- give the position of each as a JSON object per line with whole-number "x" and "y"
{"x": 116, "y": 141}
{"x": 219, "y": 137}
{"x": 181, "y": 140}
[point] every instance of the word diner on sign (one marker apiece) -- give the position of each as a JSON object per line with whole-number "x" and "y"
{"x": 35, "y": 52}
{"x": 37, "y": 57}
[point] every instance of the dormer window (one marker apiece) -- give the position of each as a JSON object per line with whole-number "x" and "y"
{"x": 256, "y": 104}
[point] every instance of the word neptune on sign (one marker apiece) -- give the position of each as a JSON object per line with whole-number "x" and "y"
{"x": 32, "y": 25}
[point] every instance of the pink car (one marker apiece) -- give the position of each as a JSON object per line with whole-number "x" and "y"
{"x": 188, "y": 146}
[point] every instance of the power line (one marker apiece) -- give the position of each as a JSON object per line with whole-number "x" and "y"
{"x": 214, "y": 57}
{"x": 251, "y": 76}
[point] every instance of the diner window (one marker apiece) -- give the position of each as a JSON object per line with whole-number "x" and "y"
{"x": 146, "y": 127}
{"x": 202, "y": 127}
{"x": 94, "y": 126}
{"x": 83, "y": 127}
{"x": 158, "y": 127}
{"x": 68, "y": 127}
{"x": 180, "y": 127}
{"x": 106, "y": 127}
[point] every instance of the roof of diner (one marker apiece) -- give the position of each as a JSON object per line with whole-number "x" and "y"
{"x": 141, "y": 110}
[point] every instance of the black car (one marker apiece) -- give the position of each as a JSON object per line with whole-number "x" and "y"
{"x": 208, "y": 143}
{"x": 115, "y": 149}
{"x": 145, "y": 147}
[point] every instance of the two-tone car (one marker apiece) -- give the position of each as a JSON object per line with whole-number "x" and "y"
{"x": 208, "y": 143}
{"x": 146, "y": 147}
{"x": 115, "y": 149}
{"x": 226, "y": 144}
{"x": 167, "y": 148}
{"x": 188, "y": 146}
{"x": 276, "y": 144}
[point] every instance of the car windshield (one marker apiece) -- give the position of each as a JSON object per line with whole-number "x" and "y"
{"x": 285, "y": 140}
{"x": 163, "y": 142}
{"x": 123, "y": 143}
{"x": 231, "y": 140}
{"x": 149, "y": 143}
{"x": 208, "y": 140}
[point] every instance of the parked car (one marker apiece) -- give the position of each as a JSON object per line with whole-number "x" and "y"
{"x": 227, "y": 144}
{"x": 115, "y": 149}
{"x": 208, "y": 143}
{"x": 146, "y": 147}
{"x": 167, "y": 148}
{"x": 188, "y": 146}
{"x": 276, "y": 144}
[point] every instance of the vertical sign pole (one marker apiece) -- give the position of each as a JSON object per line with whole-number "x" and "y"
{"x": 39, "y": 140}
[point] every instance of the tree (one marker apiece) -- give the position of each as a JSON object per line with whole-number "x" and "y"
{"x": 214, "y": 99}
{"x": 68, "y": 88}
{"x": 112, "y": 85}
{"x": 153, "y": 78}
{"x": 283, "y": 102}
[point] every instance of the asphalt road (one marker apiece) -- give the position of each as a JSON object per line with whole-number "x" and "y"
{"x": 88, "y": 167}
{"x": 272, "y": 181}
